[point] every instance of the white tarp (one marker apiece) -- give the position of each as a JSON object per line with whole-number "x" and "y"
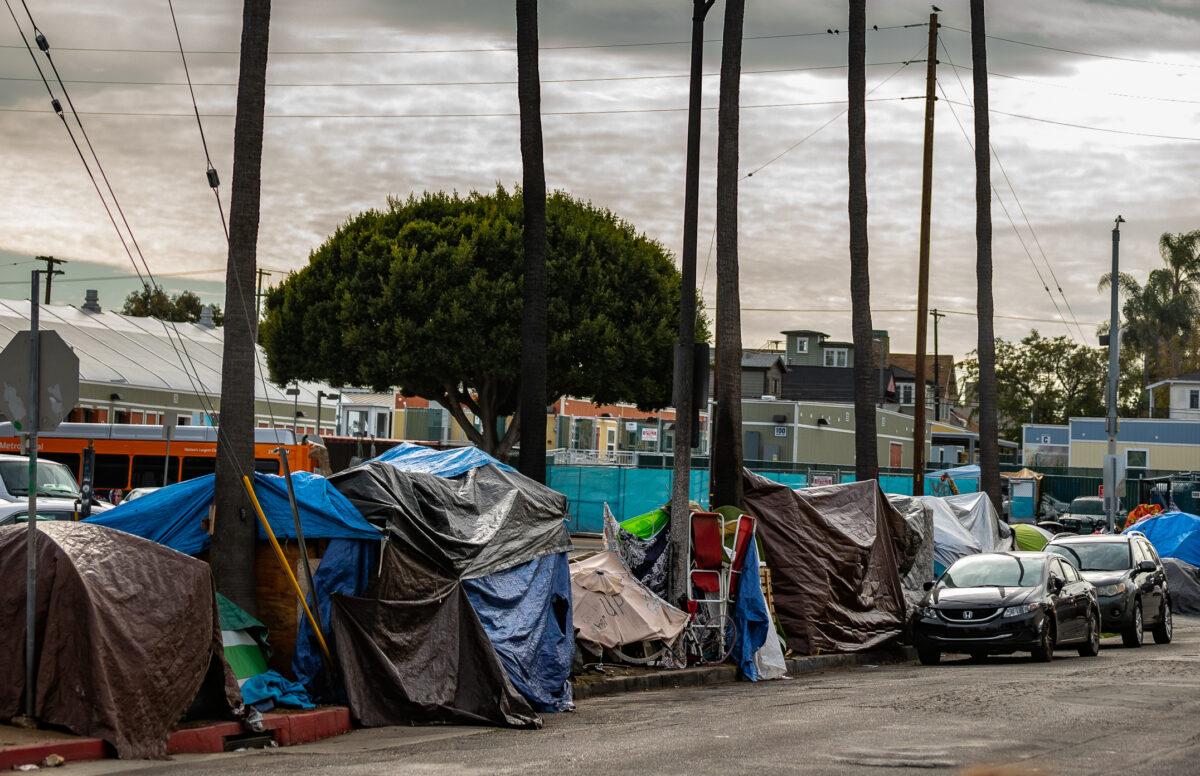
{"x": 964, "y": 525}
{"x": 611, "y": 608}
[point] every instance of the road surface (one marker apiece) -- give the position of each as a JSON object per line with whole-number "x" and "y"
{"x": 1128, "y": 712}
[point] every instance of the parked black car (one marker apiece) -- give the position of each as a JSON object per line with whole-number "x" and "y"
{"x": 1084, "y": 516}
{"x": 1005, "y": 602}
{"x": 1130, "y": 581}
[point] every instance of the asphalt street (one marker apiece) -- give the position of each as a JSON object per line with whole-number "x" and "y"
{"x": 1128, "y": 712}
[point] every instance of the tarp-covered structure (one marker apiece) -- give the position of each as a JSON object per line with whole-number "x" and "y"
{"x": 1183, "y": 579}
{"x": 611, "y": 607}
{"x": 643, "y": 542}
{"x": 128, "y": 636}
{"x": 473, "y": 519}
{"x": 917, "y": 550}
{"x": 834, "y": 554}
{"x": 964, "y": 525}
{"x": 174, "y": 516}
{"x": 1173, "y": 534}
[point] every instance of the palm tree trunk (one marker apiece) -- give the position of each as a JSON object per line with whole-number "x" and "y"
{"x": 989, "y": 443}
{"x": 866, "y": 378}
{"x": 532, "y": 462}
{"x": 235, "y": 531}
{"x": 727, "y": 424}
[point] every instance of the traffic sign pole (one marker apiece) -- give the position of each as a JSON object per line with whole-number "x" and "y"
{"x": 31, "y": 486}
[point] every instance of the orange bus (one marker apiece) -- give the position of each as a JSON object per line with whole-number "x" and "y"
{"x": 135, "y": 456}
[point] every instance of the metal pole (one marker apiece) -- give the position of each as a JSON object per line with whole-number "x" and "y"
{"x": 937, "y": 366}
{"x": 287, "y": 476}
{"x": 32, "y": 419}
{"x": 167, "y": 456}
{"x": 295, "y": 409}
{"x": 320, "y": 395}
{"x": 923, "y": 264}
{"x": 1114, "y": 354}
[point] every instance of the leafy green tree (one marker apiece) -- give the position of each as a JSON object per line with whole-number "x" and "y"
{"x": 426, "y": 295}
{"x": 183, "y": 307}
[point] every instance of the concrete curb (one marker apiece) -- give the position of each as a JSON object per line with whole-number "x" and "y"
{"x": 706, "y": 675}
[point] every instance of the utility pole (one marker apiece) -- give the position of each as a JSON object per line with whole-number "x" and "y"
{"x": 258, "y": 294}
{"x": 1112, "y": 475}
{"x": 937, "y": 366}
{"x": 35, "y": 371}
{"x": 923, "y": 264}
{"x": 685, "y": 347}
{"x": 50, "y": 272}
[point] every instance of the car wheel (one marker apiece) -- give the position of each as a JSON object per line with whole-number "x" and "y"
{"x": 1044, "y": 651}
{"x": 1091, "y": 647}
{"x": 1132, "y": 636}
{"x": 1165, "y": 628}
{"x": 929, "y": 657}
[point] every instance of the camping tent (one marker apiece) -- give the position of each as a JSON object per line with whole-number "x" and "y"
{"x": 175, "y": 516}
{"x": 1173, "y": 534}
{"x": 128, "y": 635}
{"x": 1183, "y": 579}
{"x": 501, "y": 533}
{"x": 1030, "y": 538}
{"x": 834, "y": 557}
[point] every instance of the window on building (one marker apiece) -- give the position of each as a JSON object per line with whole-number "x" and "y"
{"x": 1137, "y": 459}
{"x": 802, "y": 344}
{"x": 836, "y": 357}
{"x": 1194, "y": 400}
{"x": 905, "y": 393}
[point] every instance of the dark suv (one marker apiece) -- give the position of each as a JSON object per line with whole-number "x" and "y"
{"x": 1131, "y": 584}
{"x": 1084, "y": 516}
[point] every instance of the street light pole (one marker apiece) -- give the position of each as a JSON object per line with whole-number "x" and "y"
{"x": 1114, "y": 355}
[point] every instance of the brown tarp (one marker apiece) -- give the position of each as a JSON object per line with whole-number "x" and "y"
{"x": 833, "y": 553}
{"x": 127, "y": 632}
{"x": 418, "y": 653}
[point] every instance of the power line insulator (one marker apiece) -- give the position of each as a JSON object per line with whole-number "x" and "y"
{"x": 43, "y": 44}
{"x": 213, "y": 180}
{"x": 56, "y": 105}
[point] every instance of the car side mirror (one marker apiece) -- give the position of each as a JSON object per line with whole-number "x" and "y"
{"x": 928, "y": 586}
{"x": 1147, "y": 566}
{"x": 1058, "y": 584}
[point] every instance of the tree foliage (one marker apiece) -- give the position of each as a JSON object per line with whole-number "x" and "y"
{"x": 426, "y": 295}
{"x": 183, "y": 307}
{"x": 1050, "y": 380}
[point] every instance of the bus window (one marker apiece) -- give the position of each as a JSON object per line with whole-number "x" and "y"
{"x": 112, "y": 471}
{"x": 266, "y": 465}
{"x": 198, "y": 467}
{"x": 70, "y": 460}
{"x": 148, "y": 471}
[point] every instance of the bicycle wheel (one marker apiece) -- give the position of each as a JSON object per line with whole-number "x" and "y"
{"x": 710, "y": 647}
{"x": 652, "y": 652}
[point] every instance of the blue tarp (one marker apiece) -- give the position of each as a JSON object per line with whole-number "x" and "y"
{"x": 173, "y": 515}
{"x": 751, "y": 620}
{"x": 1174, "y": 535}
{"x": 970, "y": 471}
{"x": 526, "y": 612}
{"x": 444, "y": 463}
{"x": 270, "y": 689}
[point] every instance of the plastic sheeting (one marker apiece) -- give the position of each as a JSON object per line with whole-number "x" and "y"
{"x": 1183, "y": 580}
{"x": 173, "y": 515}
{"x": 751, "y": 620}
{"x": 965, "y": 525}
{"x": 645, "y": 557}
{"x": 611, "y": 607}
{"x": 526, "y": 612}
{"x": 833, "y": 553}
{"x": 443, "y": 463}
{"x": 418, "y": 653}
{"x": 128, "y": 633}
{"x": 917, "y": 551}
{"x": 1173, "y": 534}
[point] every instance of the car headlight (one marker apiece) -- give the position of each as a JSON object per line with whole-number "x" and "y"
{"x": 926, "y": 612}
{"x": 1017, "y": 611}
{"x": 1116, "y": 589}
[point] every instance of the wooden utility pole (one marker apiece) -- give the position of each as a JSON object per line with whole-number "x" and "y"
{"x": 258, "y": 293}
{"x": 50, "y": 272}
{"x": 923, "y": 265}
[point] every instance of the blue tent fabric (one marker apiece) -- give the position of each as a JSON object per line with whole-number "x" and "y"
{"x": 526, "y": 613}
{"x": 969, "y": 471}
{"x": 443, "y": 463}
{"x": 173, "y": 515}
{"x": 751, "y": 620}
{"x": 345, "y": 569}
{"x": 1174, "y": 535}
{"x": 271, "y": 689}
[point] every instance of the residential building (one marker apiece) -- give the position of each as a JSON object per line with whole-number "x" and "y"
{"x": 763, "y": 373}
{"x": 1145, "y": 444}
{"x": 1183, "y": 397}
{"x": 1045, "y": 445}
{"x": 903, "y": 366}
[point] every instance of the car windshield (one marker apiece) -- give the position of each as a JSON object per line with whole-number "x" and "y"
{"x": 1094, "y": 556}
{"x": 1087, "y": 506}
{"x": 53, "y": 479}
{"x": 994, "y": 571}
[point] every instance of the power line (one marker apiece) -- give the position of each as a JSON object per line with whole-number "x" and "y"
{"x": 1078, "y": 52}
{"x": 481, "y": 50}
{"x": 1039, "y": 82}
{"x": 896, "y": 310}
{"x": 1012, "y": 189}
{"x": 505, "y": 82}
{"x": 1083, "y": 126}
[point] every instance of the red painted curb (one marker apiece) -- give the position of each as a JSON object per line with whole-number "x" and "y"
{"x": 71, "y": 750}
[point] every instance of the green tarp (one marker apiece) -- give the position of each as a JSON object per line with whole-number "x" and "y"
{"x": 646, "y": 526}
{"x": 244, "y": 639}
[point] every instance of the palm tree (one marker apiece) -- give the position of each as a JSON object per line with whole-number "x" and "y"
{"x": 727, "y": 423}
{"x": 532, "y": 409}
{"x": 866, "y": 379}
{"x": 235, "y": 534}
{"x": 989, "y": 440}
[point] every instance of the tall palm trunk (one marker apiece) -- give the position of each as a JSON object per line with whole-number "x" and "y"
{"x": 866, "y": 378}
{"x": 727, "y": 423}
{"x": 989, "y": 444}
{"x": 533, "y": 188}
{"x": 235, "y": 531}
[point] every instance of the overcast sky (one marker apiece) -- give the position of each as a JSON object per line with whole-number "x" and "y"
{"x": 318, "y": 171}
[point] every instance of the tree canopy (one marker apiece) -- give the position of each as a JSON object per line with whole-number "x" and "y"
{"x": 425, "y": 295}
{"x": 183, "y": 307}
{"x": 1051, "y": 380}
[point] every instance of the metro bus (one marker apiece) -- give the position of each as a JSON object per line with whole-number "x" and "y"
{"x": 135, "y": 456}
